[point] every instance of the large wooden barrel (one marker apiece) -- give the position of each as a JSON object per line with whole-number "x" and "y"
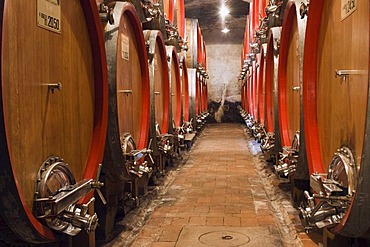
{"x": 244, "y": 95}
{"x": 246, "y": 41}
{"x": 179, "y": 19}
{"x": 271, "y": 88}
{"x": 200, "y": 44}
{"x": 261, "y": 85}
{"x": 192, "y": 79}
{"x": 191, "y": 35}
{"x": 128, "y": 70}
{"x": 204, "y": 95}
{"x": 159, "y": 81}
{"x": 249, "y": 81}
{"x": 169, "y": 9}
{"x": 185, "y": 91}
{"x": 204, "y": 61}
{"x": 175, "y": 86}
{"x": 336, "y": 97}
{"x": 255, "y": 69}
{"x": 290, "y": 73}
{"x": 124, "y": 47}
{"x": 198, "y": 91}
{"x": 53, "y": 103}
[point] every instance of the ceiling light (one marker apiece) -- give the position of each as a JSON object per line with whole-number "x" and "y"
{"x": 225, "y": 30}
{"x": 224, "y": 11}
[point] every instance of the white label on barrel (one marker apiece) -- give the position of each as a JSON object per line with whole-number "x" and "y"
{"x": 125, "y": 47}
{"x": 348, "y": 7}
{"x": 48, "y": 15}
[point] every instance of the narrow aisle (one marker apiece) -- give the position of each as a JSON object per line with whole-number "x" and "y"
{"x": 217, "y": 198}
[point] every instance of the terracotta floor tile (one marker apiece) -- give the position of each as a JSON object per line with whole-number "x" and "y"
{"x": 180, "y": 221}
{"x": 198, "y": 220}
{"x": 232, "y": 221}
{"x": 170, "y": 234}
{"x": 215, "y": 221}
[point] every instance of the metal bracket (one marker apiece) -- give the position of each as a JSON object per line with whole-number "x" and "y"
{"x": 344, "y": 74}
{"x": 127, "y": 91}
{"x": 53, "y": 86}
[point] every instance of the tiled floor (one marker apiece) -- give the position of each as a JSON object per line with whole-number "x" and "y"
{"x": 222, "y": 184}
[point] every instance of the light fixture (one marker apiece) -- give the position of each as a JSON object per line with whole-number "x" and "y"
{"x": 225, "y": 30}
{"x": 224, "y": 11}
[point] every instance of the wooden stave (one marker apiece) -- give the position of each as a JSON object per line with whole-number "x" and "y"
{"x": 159, "y": 110}
{"x": 249, "y": 82}
{"x": 246, "y": 41}
{"x": 169, "y": 9}
{"x": 24, "y": 225}
{"x": 185, "y": 91}
{"x": 200, "y": 55}
{"x": 175, "y": 87}
{"x": 192, "y": 79}
{"x": 292, "y": 41}
{"x": 272, "y": 58}
{"x": 356, "y": 222}
{"x": 198, "y": 94}
{"x": 255, "y": 69}
{"x": 139, "y": 135}
{"x": 191, "y": 33}
{"x": 179, "y": 20}
{"x": 261, "y": 85}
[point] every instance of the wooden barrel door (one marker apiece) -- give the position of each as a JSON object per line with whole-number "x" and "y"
{"x": 53, "y": 110}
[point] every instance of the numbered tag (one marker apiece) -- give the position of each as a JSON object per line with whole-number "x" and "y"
{"x": 48, "y": 15}
{"x": 125, "y": 47}
{"x": 348, "y": 7}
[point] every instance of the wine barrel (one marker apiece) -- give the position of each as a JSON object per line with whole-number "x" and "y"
{"x": 290, "y": 73}
{"x": 200, "y": 46}
{"x": 271, "y": 89}
{"x": 244, "y": 96}
{"x": 169, "y": 9}
{"x": 192, "y": 79}
{"x": 175, "y": 86}
{"x": 198, "y": 91}
{"x": 246, "y": 41}
{"x": 261, "y": 85}
{"x": 204, "y": 60}
{"x": 204, "y": 95}
{"x": 255, "y": 69}
{"x": 159, "y": 82}
{"x": 179, "y": 19}
{"x": 336, "y": 99}
{"x": 185, "y": 91}
{"x": 250, "y": 90}
{"x": 128, "y": 72}
{"x": 191, "y": 33}
{"x": 53, "y": 103}
{"x": 201, "y": 93}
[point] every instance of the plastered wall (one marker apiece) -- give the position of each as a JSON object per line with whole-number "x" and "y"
{"x": 223, "y": 67}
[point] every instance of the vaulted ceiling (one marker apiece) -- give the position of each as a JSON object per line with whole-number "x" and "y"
{"x": 207, "y": 13}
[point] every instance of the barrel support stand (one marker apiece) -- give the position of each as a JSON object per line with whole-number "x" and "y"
{"x": 84, "y": 239}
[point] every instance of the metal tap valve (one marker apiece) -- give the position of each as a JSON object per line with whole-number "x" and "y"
{"x": 333, "y": 192}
